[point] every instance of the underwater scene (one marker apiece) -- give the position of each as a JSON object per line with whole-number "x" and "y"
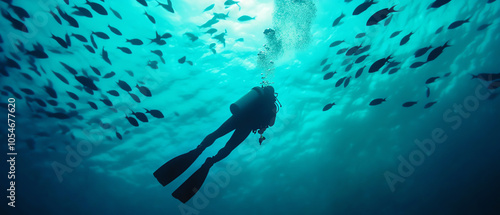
{"x": 250, "y": 107}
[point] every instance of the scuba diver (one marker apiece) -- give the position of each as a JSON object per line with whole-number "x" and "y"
{"x": 254, "y": 111}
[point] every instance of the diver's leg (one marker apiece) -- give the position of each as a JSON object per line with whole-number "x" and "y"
{"x": 238, "y": 137}
{"x": 226, "y": 127}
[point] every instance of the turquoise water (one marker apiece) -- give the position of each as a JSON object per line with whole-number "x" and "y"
{"x": 351, "y": 159}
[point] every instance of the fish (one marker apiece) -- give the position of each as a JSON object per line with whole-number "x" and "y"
{"x": 40, "y": 102}
{"x": 359, "y": 72}
{"x": 115, "y": 30}
{"x": 229, "y": 3}
{"x": 79, "y": 37}
{"x": 323, "y": 62}
{"x": 191, "y": 36}
{"x": 439, "y": 30}
{"x": 27, "y": 91}
{"x": 340, "y": 82}
{"x": 96, "y": 71}
{"x": 160, "y": 54}
{"x": 393, "y": 70}
{"x": 436, "y": 52}
{"x": 431, "y": 80}
{"x": 68, "y": 40}
{"x": 422, "y": 51}
{"x": 69, "y": 68}
{"x": 336, "y": 43}
{"x": 155, "y": 113}
{"x": 151, "y": 18}
{"x": 87, "y": 82}
{"x": 348, "y": 67}
{"x": 105, "y": 56}
{"x": 430, "y": 104}
{"x": 71, "y": 105}
{"x": 361, "y": 58}
{"x": 125, "y": 50}
{"x": 109, "y": 75}
{"x": 486, "y": 76}
{"x": 362, "y": 7}
{"x": 328, "y": 106}
{"x": 245, "y": 18}
{"x": 58, "y": 20}
{"x": 494, "y": 85}
{"x": 182, "y": 60}
{"x": 80, "y": 11}
{"x": 483, "y": 26}
{"x": 167, "y": 7}
{"x": 388, "y": 21}
{"x": 18, "y": 25}
{"x": 363, "y": 50}
{"x": 141, "y": 116}
{"x": 59, "y": 40}
{"x": 210, "y": 7}
{"x": 116, "y": 13}
{"x": 61, "y": 77}
{"x": 428, "y": 92}
{"x": 113, "y": 93}
{"x": 327, "y": 67}
{"x": 19, "y": 11}
{"x": 124, "y": 85}
{"x": 88, "y": 90}
{"x": 342, "y": 51}
{"x": 220, "y": 16}
{"x": 52, "y": 102}
{"x": 338, "y": 19}
{"x": 71, "y": 21}
{"x": 106, "y": 102}
{"x": 92, "y": 105}
{"x": 396, "y": 33}
{"x": 405, "y": 39}
{"x": 189, "y": 62}
{"x": 89, "y": 48}
{"x": 211, "y": 31}
{"x": 447, "y": 74}
{"x": 73, "y": 96}
{"x": 153, "y": 64}
{"x": 144, "y": 90}
{"x": 135, "y": 97}
{"x": 439, "y": 3}
{"x": 459, "y": 23}
{"x": 143, "y": 2}
{"x": 347, "y": 81}
{"x": 101, "y": 35}
{"x": 27, "y": 76}
{"x": 11, "y": 63}
{"x": 377, "y": 101}
{"x": 409, "y": 104}
{"x": 360, "y": 35}
{"x": 221, "y": 39}
{"x": 380, "y": 15}
{"x": 417, "y": 65}
{"x": 328, "y": 75}
{"x": 94, "y": 44}
{"x": 132, "y": 121}
{"x": 136, "y": 42}
{"x": 97, "y": 7}
{"x": 118, "y": 135}
{"x": 379, "y": 64}
{"x": 353, "y": 50}
{"x": 209, "y": 23}
{"x": 346, "y": 61}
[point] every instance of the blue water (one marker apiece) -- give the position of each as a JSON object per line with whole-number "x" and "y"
{"x": 351, "y": 159}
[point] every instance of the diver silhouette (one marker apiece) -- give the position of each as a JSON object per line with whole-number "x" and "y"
{"x": 254, "y": 111}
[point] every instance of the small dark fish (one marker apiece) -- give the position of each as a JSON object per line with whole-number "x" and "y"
{"x": 417, "y": 65}
{"x": 340, "y": 82}
{"x": 342, "y": 51}
{"x": 388, "y": 21}
{"x": 52, "y": 102}
{"x": 113, "y": 93}
{"x": 447, "y": 74}
{"x": 363, "y": 50}
{"x": 136, "y": 42}
{"x": 211, "y": 31}
{"x": 40, "y": 102}
{"x": 141, "y": 116}
{"x": 58, "y": 20}
{"x": 379, "y": 64}
{"x": 80, "y": 37}
{"x": 347, "y": 81}
{"x": 71, "y": 105}
{"x": 439, "y": 3}
{"x": 191, "y": 36}
{"x": 328, "y": 75}
{"x": 109, "y": 75}
{"x": 94, "y": 44}
{"x": 61, "y": 41}
{"x": 360, "y": 35}
{"x": 327, "y": 67}
{"x": 431, "y": 80}
{"x": 114, "y": 30}
{"x": 405, "y": 39}
{"x": 90, "y": 49}
{"x": 105, "y": 56}
{"x": 377, "y": 102}
{"x": 458, "y": 23}
{"x": 220, "y": 38}
{"x": 209, "y": 23}
{"x": 82, "y": 12}
{"x": 143, "y": 2}
{"x": 155, "y": 113}
{"x": 132, "y": 121}
{"x": 88, "y": 90}
{"x": 430, "y": 104}
{"x": 151, "y": 18}
{"x": 11, "y": 63}
{"x": 87, "y": 82}
{"x": 337, "y": 21}
{"x": 68, "y": 40}
{"x": 153, "y": 64}
{"x": 97, "y": 8}
{"x": 393, "y": 70}
{"x": 484, "y": 26}
{"x": 135, "y": 97}
{"x": 348, "y": 67}
{"x": 61, "y": 77}
{"x": 125, "y": 50}
{"x": 209, "y": 8}
{"x": 18, "y": 25}
{"x": 359, "y": 72}
{"x": 182, "y": 60}
{"x": 96, "y": 71}
{"x": 106, "y": 102}
{"x": 124, "y": 85}
{"x": 69, "y": 68}
{"x": 409, "y": 104}
{"x": 362, "y": 7}
{"x": 436, "y": 52}
{"x": 428, "y": 92}
{"x": 118, "y": 135}
{"x": 27, "y": 76}
{"x": 245, "y": 18}
{"x": 336, "y": 43}
{"x": 144, "y": 90}
{"x": 27, "y": 91}
{"x": 439, "y": 30}
{"x": 167, "y": 7}
{"x": 73, "y": 96}
{"x": 116, "y": 13}
{"x": 487, "y": 76}
{"x": 328, "y": 106}
{"x": 101, "y": 35}
{"x": 353, "y": 50}
{"x": 422, "y": 51}
{"x": 395, "y": 34}
{"x": 361, "y": 59}
{"x": 72, "y": 21}
{"x": 323, "y": 62}
{"x": 93, "y": 105}
{"x": 379, "y": 16}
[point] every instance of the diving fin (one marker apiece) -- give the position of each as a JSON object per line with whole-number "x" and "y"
{"x": 175, "y": 167}
{"x": 191, "y": 186}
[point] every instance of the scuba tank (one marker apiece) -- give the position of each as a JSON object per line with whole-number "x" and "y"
{"x": 247, "y": 102}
